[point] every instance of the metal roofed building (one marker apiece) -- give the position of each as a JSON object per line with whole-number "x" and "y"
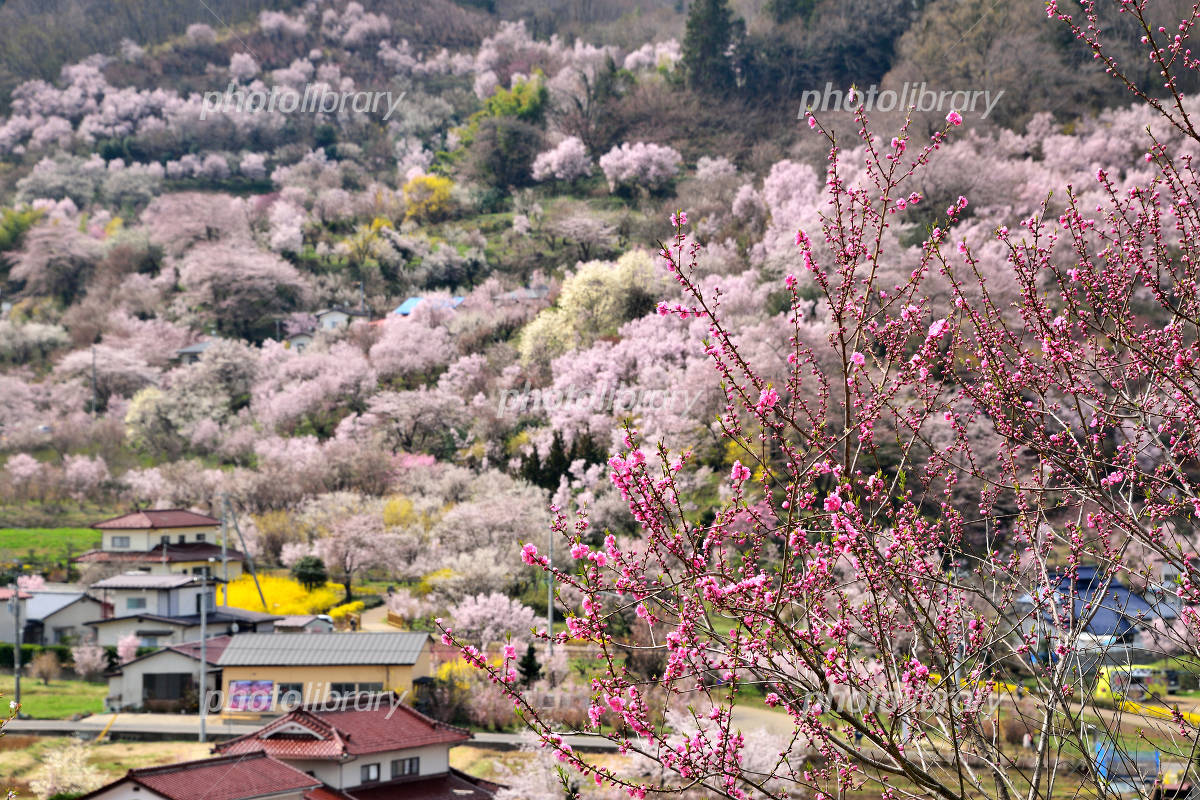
{"x": 260, "y": 670}
{"x": 58, "y": 617}
{"x": 165, "y": 609}
{"x": 166, "y": 679}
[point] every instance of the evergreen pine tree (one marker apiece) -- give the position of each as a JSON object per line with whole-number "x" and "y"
{"x": 712, "y": 33}
{"x": 529, "y": 667}
{"x": 556, "y": 464}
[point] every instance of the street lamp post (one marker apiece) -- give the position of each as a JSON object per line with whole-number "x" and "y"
{"x": 14, "y": 605}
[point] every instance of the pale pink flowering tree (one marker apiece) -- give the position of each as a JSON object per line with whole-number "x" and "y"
{"x": 640, "y": 164}
{"x": 23, "y": 472}
{"x": 886, "y": 616}
{"x": 31, "y": 583}
{"x": 566, "y": 161}
{"x": 239, "y": 286}
{"x": 127, "y": 647}
{"x": 354, "y": 545}
{"x": 84, "y": 476}
{"x": 90, "y": 661}
{"x": 489, "y": 618}
{"x": 242, "y": 66}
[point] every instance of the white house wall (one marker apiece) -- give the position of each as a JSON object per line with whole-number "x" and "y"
{"x": 143, "y": 540}
{"x": 70, "y": 621}
{"x": 125, "y": 690}
{"x": 435, "y": 760}
{"x": 127, "y": 790}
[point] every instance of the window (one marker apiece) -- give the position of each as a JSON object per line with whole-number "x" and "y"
{"x": 342, "y": 689}
{"x": 291, "y": 695}
{"x": 182, "y": 538}
{"x": 375, "y": 688}
{"x": 369, "y": 773}
{"x": 406, "y": 766}
{"x": 135, "y": 602}
{"x": 200, "y": 537}
{"x": 165, "y": 539}
{"x": 120, "y": 541}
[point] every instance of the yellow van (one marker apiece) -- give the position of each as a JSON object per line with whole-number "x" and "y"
{"x": 1131, "y": 682}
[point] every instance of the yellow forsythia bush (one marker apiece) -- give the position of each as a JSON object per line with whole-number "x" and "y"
{"x": 283, "y": 595}
{"x": 354, "y": 607}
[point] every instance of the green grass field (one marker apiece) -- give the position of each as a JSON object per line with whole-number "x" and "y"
{"x": 41, "y": 545}
{"x": 59, "y": 700}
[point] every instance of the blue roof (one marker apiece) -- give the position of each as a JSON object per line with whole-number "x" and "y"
{"x": 410, "y": 305}
{"x": 1120, "y": 608}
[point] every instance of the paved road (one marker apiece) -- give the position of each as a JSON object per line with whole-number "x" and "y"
{"x": 179, "y": 726}
{"x": 156, "y": 726}
{"x": 375, "y": 619}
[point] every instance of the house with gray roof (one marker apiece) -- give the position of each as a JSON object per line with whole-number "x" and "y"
{"x": 268, "y": 673}
{"x": 165, "y": 609}
{"x": 60, "y": 617}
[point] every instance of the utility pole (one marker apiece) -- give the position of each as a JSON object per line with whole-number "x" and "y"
{"x": 203, "y": 693}
{"x": 15, "y": 607}
{"x": 550, "y": 599}
{"x": 250, "y": 564}
{"x": 362, "y": 296}
{"x": 224, "y": 546}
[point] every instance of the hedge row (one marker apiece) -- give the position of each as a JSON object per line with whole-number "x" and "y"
{"x": 62, "y": 651}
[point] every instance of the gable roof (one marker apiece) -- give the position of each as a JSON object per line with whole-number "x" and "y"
{"x": 188, "y": 551}
{"x": 218, "y": 616}
{"x": 195, "y": 349}
{"x": 45, "y": 604}
{"x": 223, "y": 778}
{"x": 216, "y": 646}
{"x": 328, "y": 649}
{"x": 295, "y": 620}
{"x": 213, "y": 648}
{"x": 157, "y": 518}
{"x": 1118, "y": 609}
{"x": 314, "y": 733}
{"x": 143, "y": 580}
{"x": 350, "y": 312}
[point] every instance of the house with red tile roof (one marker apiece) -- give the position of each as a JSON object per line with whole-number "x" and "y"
{"x": 385, "y": 752}
{"x": 371, "y": 746}
{"x": 243, "y": 777}
{"x": 164, "y": 541}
